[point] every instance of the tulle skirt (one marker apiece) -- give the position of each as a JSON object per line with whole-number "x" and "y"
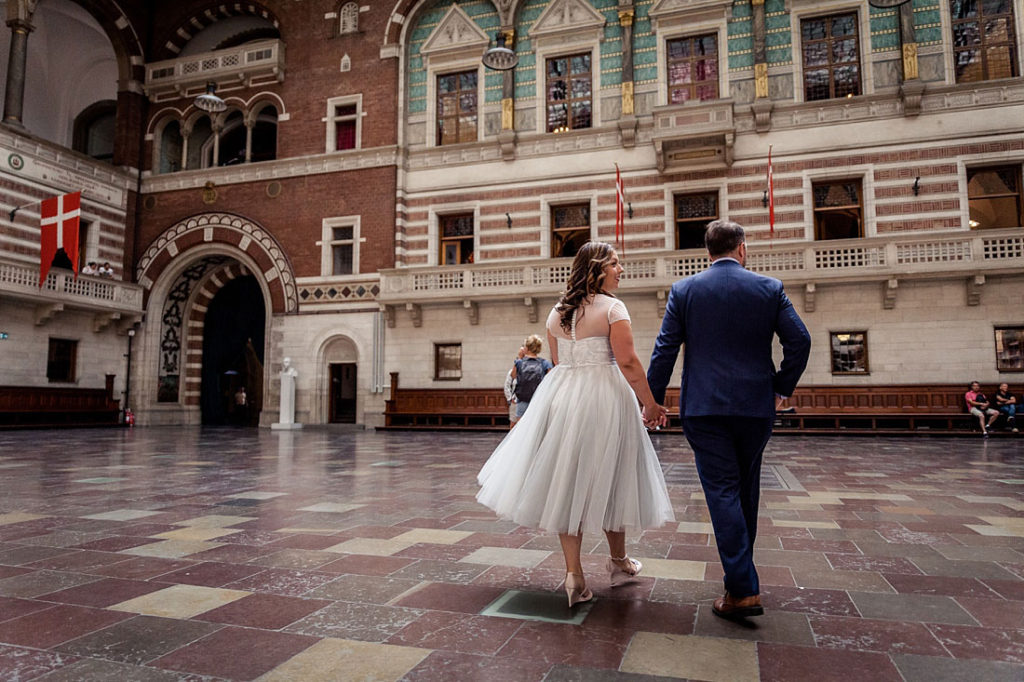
{"x": 579, "y": 460}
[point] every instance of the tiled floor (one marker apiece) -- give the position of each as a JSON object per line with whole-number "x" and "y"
{"x": 207, "y": 554}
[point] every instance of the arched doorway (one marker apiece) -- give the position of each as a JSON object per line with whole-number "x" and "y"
{"x": 233, "y": 343}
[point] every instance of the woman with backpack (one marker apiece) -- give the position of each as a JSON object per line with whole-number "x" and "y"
{"x": 528, "y": 371}
{"x": 580, "y": 460}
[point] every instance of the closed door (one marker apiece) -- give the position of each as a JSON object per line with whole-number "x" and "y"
{"x": 343, "y": 393}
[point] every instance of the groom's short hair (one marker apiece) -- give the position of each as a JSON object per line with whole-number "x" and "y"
{"x": 722, "y": 237}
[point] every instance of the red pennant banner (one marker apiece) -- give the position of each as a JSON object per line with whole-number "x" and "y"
{"x": 59, "y": 219}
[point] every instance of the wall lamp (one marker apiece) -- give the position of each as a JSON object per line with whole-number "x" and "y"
{"x": 629, "y": 209}
{"x": 764, "y": 199}
{"x": 508, "y": 220}
{"x": 917, "y": 186}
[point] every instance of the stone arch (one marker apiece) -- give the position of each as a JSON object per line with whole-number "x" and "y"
{"x": 233, "y": 233}
{"x": 405, "y": 10}
{"x": 131, "y": 59}
{"x": 336, "y": 347}
{"x": 181, "y": 33}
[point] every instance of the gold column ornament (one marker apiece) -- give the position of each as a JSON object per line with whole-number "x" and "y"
{"x": 627, "y": 98}
{"x": 626, "y": 17}
{"x": 507, "y": 111}
{"x": 757, "y": 3}
{"x": 910, "y": 61}
{"x": 761, "y": 80}
{"x": 510, "y": 36}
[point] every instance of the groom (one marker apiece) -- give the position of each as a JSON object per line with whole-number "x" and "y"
{"x": 726, "y": 318}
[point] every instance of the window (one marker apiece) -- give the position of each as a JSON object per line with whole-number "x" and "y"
{"x": 693, "y": 213}
{"x": 348, "y": 18}
{"x": 93, "y": 132}
{"x": 994, "y": 197}
{"x": 342, "y": 250}
{"x": 339, "y": 246}
{"x": 837, "y": 210}
{"x": 171, "y": 145}
{"x": 849, "y": 352}
{"x": 831, "y": 57}
{"x": 60, "y": 360}
{"x": 569, "y": 93}
{"x": 692, "y": 69}
{"x": 456, "y": 239}
{"x": 346, "y": 118}
{"x": 984, "y": 44}
{"x": 570, "y": 229}
{"x": 1010, "y": 349}
{"x": 456, "y": 107}
{"x": 447, "y": 361}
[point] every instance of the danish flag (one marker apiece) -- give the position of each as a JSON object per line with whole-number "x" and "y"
{"x": 620, "y": 211}
{"x": 59, "y": 230}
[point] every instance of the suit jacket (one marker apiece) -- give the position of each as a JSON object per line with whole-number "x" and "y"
{"x": 726, "y": 318}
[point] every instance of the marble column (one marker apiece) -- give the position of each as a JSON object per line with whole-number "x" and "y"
{"x": 507, "y": 136}
{"x": 912, "y": 89}
{"x": 14, "y": 95}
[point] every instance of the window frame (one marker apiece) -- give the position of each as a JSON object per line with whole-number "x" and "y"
{"x": 545, "y": 52}
{"x": 948, "y": 22}
{"x": 805, "y": 9}
{"x": 864, "y": 173}
{"x": 690, "y": 35}
{"x": 569, "y": 56}
{"x": 441, "y": 239}
{"x": 437, "y": 360}
{"x": 815, "y": 211}
{"x": 831, "y": 67}
{"x": 439, "y": 65}
{"x": 832, "y": 337}
{"x": 674, "y": 215}
{"x": 441, "y": 73}
{"x": 71, "y": 376}
{"x": 341, "y": 18}
{"x": 971, "y": 169}
{"x": 327, "y": 242}
{"x": 591, "y": 214}
{"x": 332, "y": 118}
{"x": 1019, "y": 330}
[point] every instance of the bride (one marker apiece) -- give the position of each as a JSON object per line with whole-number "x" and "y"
{"x": 580, "y": 460}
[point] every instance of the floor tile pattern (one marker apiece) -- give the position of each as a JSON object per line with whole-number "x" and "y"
{"x": 233, "y": 554}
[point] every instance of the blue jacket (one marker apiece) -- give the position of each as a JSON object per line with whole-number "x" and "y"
{"x": 726, "y": 318}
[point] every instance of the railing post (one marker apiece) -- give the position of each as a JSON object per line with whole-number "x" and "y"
{"x": 810, "y": 264}
{"x": 890, "y": 255}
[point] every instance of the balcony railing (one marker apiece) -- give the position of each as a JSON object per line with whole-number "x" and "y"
{"x": 61, "y": 287}
{"x": 881, "y": 258}
{"x": 252, "y": 63}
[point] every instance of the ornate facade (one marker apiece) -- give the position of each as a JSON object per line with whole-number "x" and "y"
{"x": 379, "y": 201}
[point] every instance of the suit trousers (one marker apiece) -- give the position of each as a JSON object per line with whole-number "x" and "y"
{"x": 728, "y": 454}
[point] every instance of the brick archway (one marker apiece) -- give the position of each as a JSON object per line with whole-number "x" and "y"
{"x": 237, "y": 234}
{"x": 184, "y": 30}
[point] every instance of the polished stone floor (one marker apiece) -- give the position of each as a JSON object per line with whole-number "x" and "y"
{"x": 208, "y": 554}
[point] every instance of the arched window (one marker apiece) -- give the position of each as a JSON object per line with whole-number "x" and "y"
{"x": 171, "y": 143}
{"x": 94, "y": 130}
{"x": 200, "y": 144}
{"x": 232, "y": 140}
{"x": 264, "y": 135}
{"x": 348, "y": 18}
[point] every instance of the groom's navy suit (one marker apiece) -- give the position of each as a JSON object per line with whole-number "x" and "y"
{"x": 726, "y": 319}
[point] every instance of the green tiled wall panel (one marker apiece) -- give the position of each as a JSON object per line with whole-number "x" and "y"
{"x": 645, "y": 74}
{"x": 742, "y": 8}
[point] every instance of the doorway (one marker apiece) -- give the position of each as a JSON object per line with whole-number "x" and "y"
{"x": 233, "y": 337}
{"x": 343, "y": 393}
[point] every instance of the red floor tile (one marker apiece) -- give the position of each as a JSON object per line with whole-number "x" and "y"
{"x": 52, "y": 626}
{"x": 593, "y": 647}
{"x": 265, "y": 611}
{"x": 102, "y": 593}
{"x": 784, "y": 663}
{"x": 210, "y": 574}
{"x": 451, "y": 597}
{"x": 457, "y": 632}
{"x": 235, "y": 653}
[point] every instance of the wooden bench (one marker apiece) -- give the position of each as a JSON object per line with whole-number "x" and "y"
{"x": 869, "y": 410}
{"x": 440, "y": 408}
{"x": 55, "y": 407}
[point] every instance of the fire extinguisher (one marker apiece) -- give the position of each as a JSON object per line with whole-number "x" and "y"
{"x": 129, "y": 417}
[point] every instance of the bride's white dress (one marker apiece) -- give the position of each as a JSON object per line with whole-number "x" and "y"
{"x": 580, "y": 458}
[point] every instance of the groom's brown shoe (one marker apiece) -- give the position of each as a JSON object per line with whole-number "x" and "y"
{"x": 731, "y": 608}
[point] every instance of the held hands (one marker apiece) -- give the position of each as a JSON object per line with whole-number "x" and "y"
{"x": 655, "y": 416}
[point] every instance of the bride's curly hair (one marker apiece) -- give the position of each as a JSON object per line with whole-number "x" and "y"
{"x": 585, "y": 280}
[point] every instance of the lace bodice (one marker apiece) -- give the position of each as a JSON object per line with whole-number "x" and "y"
{"x": 593, "y": 350}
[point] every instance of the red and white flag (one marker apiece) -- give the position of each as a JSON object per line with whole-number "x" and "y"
{"x": 59, "y": 230}
{"x": 771, "y": 196}
{"x": 620, "y": 212}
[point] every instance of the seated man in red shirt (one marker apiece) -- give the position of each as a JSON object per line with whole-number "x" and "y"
{"x": 978, "y": 405}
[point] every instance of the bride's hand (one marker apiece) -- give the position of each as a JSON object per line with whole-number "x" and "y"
{"x": 655, "y": 416}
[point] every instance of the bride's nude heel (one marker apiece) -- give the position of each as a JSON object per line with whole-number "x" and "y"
{"x": 576, "y": 589}
{"x": 620, "y": 575}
